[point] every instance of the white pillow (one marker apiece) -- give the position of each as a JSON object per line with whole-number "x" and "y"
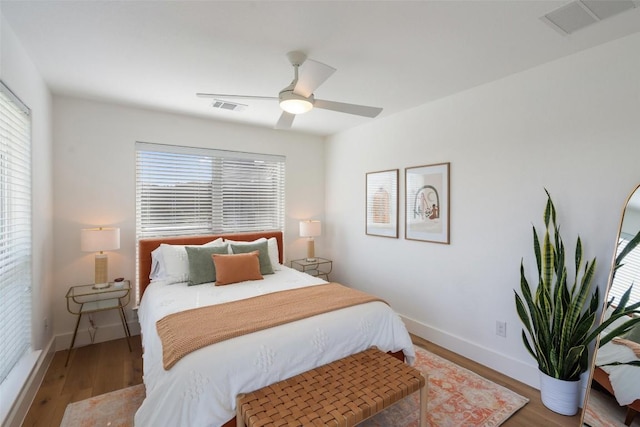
{"x": 274, "y": 254}
{"x": 157, "y": 265}
{"x": 176, "y": 262}
{"x": 272, "y": 246}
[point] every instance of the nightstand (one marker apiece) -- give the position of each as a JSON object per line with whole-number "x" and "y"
{"x": 321, "y": 267}
{"x": 86, "y": 299}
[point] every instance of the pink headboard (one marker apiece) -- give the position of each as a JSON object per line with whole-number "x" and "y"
{"x": 146, "y": 246}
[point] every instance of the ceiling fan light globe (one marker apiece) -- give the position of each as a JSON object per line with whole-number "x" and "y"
{"x": 296, "y": 106}
{"x": 293, "y": 103}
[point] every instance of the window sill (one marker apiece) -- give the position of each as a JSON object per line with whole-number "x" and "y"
{"x": 13, "y": 385}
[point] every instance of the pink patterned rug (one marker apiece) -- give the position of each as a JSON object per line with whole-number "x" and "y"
{"x": 603, "y": 411}
{"x": 457, "y": 398}
{"x": 115, "y": 409}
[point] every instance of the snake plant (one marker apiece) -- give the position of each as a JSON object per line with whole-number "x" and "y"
{"x": 559, "y": 318}
{"x": 621, "y": 306}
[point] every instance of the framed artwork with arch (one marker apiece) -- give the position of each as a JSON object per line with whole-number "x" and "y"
{"x": 427, "y": 203}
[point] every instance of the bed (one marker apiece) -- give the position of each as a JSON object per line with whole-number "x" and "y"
{"x": 200, "y": 389}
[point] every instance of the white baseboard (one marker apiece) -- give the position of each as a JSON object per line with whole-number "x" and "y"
{"x": 527, "y": 374}
{"x": 104, "y": 333}
{"x": 22, "y": 404}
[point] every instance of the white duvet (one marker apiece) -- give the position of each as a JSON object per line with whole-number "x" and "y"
{"x": 625, "y": 379}
{"x": 200, "y": 390}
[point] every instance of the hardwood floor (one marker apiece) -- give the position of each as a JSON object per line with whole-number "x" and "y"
{"x": 94, "y": 369}
{"x": 108, "y": 366}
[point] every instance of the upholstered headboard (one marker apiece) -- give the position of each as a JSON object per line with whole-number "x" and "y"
{"x": 146, "y": 246}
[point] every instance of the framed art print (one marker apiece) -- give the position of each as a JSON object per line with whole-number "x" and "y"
{"x": 427, "y": 203}
{"x": 382, "y": 203}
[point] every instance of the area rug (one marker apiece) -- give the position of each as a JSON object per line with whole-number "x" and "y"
{"x": 603, "y": 411}
{"x": 457, "y": 398}
{"x": 115, "y": 409}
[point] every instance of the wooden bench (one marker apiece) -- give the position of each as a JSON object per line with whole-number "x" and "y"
{"x": 341, "y": 394}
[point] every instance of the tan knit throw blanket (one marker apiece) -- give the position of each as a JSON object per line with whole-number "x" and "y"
{"x": 187, "y": 331}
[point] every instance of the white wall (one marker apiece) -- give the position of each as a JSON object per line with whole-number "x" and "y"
{"x": 94, "y": 185}
{"x": 570, "y": 126}
{"x": 19, "y": 73}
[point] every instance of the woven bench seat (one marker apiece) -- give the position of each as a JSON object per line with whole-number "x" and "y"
{"x": 341, "y": 394}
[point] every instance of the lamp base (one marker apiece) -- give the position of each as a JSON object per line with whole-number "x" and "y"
{"x": 311, "y": 259}
{"x": 311, "y": 250}
{"x": 100, "y": 278}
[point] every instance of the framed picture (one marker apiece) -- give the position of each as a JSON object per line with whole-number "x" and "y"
{"x": 427, "y": 203}
{"x": 382, "y": 203}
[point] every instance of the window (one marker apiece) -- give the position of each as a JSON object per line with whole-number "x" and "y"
{"x": 627, "y": 274}
{"x": 183, "y": 190}
{"x": 15, "y": 231}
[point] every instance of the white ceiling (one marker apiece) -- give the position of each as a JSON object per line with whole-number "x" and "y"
{"x": 390, "y": 54}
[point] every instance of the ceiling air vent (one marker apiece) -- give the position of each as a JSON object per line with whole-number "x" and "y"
{"x": 226, "y": 105}
{"x": 582, "y": 13}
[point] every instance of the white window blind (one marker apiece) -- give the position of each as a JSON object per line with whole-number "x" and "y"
{"x": 15, "y": 230}
{"x": 183, "y": 190}
{"x": 628, "y": 274}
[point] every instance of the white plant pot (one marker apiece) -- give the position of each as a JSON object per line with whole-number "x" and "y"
{"x": 560, "y": 396}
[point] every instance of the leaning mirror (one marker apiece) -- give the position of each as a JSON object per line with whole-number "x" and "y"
{"x": 613, "y": 398}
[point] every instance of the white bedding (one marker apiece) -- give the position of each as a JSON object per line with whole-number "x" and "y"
{"x": 200, "y": 389}
{"x": 624, "y": 378}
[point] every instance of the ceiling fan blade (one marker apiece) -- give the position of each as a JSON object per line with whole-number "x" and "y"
{"x": 285, "y": 121}
{"x": 311, "y": 74}
{"x": 358, "y": 110}
{"x": 220, "y": 95}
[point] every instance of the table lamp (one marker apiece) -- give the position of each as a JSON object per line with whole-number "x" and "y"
{"x": 310, "y": 229}
{"x": 99, "y": 240}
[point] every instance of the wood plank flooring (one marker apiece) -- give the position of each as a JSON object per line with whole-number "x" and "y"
{"x": 93, "y": 370}
{"x": 108, "y": 366}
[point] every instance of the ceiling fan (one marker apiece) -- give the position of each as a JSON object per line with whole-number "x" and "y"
{"x": 298, "y": 98}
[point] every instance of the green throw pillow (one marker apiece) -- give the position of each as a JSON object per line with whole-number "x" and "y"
{"x": 263, "y": 256}
{"x": 201, "y": 267}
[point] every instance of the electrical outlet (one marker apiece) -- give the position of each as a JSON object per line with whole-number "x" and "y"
{"x": 46, "y": 323}
{"x": 501, "y": 329}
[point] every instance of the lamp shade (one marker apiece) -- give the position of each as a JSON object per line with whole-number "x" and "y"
{"x": 99, "y": 239}
{"x": 310, "y": 228}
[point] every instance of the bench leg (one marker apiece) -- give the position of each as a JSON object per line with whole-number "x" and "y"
{"x": 424, "y": 400}
{"x": 239, "y": 422}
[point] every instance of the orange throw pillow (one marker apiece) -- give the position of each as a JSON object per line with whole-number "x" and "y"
{"x": 236, "y": 268}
